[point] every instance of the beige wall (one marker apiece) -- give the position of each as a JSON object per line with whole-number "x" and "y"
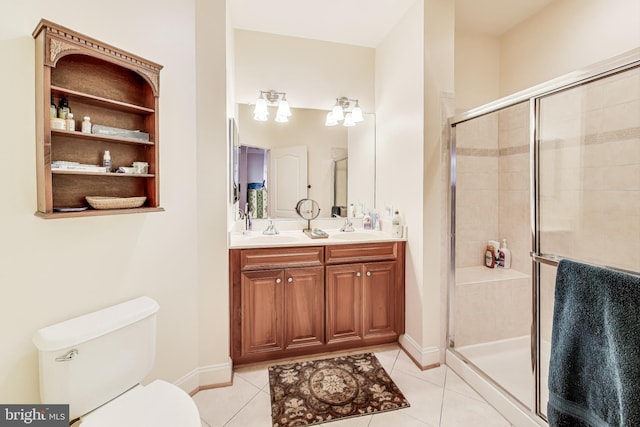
{"x": 313, "y": 73}
{"x": 565, "y": 36}
{"x": 54, "y": 269}
{"x": 477, "y": 69}
{"x": 413, "y": 82}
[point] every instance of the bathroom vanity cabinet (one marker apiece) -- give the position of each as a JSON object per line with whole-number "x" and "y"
{"x": 298, "y": 301}
{"x": 115, "y": 89}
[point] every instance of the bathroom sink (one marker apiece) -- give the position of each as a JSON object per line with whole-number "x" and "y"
{"x": 356, "y": 235}
{"x": 275, "y": 238}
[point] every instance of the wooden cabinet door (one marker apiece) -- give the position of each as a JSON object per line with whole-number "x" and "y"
{"x": 344, "y": 303}
{"x": 379, "y": 301}
{"x": 304, "y": 307}
{"x": 262, "y": 311}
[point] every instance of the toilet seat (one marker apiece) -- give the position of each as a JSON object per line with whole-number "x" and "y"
{"x": 158, "y": 404}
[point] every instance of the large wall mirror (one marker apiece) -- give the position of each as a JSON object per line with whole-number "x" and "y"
{"x": 277, "y": 164}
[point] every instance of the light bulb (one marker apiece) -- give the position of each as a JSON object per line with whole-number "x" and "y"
{"x": 330, "y": 120}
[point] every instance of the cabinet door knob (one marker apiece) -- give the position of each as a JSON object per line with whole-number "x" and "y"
{"x": 358, "y": 274}
{"x": 278, "y": 280}
{"x": 290, "y": 279}
{"x": 368, "y": 273}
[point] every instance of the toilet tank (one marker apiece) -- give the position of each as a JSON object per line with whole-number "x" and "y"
{"x": 88, "y": 360}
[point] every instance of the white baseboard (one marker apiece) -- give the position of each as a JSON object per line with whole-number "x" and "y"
{"x": 426, "y": 357}
{"x": 206, "y": 376}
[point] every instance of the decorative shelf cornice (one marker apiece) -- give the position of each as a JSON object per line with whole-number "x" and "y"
{"x": 61, "y": 41}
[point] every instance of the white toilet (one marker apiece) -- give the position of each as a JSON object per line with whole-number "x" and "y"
{"x": 95, "y": 362}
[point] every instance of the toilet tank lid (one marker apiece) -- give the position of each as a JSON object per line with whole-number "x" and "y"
{"x": 89, "y": 326}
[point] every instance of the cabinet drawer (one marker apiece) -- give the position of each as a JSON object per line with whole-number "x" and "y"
{"x": 270, "y": 258}
{"x": 361, "y": 252}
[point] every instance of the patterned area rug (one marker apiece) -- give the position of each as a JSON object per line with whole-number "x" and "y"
{"x": 325, "y": 390}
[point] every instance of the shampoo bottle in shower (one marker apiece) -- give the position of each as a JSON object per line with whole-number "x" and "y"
{"x": 489, "y": 259}
{"x": 504, "y": 259}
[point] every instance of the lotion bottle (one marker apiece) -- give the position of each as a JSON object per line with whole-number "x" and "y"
{"x": 396, "y": 225}
{"x": 505, "y": 255}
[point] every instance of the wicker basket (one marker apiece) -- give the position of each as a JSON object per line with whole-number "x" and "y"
{"x": 103, "y": 202}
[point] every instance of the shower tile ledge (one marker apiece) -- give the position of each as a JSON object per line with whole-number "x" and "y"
{"x": 479, "y": 274}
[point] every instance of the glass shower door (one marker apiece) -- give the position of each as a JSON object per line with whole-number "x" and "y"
{"x": 588, "y": 187}
{"x": 491, "y": 314}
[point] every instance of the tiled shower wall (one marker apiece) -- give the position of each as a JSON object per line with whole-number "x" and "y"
{"x": 590, "y": 178}
{"x": 492, "y": 202}
{"x": 492, "y": 189}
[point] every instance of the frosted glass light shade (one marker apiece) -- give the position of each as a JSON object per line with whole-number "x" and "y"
{"x": 281, "y": 118}
{"x": 356, "y": 114}
{"x": 261, "y": 109}
{"x": 337, "y": 112}
{"x": 260, "y": 117}
{"x": 348, "y": 120}
{"x": 283, "y": 109}
{"x": 330, "y": 120}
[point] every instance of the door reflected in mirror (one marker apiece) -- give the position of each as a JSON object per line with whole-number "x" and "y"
{"x": 277, "y": 164}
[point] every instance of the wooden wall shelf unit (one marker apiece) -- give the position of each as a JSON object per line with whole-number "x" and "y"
{"x": 298, "y": 301}
{"x": 114, "y": 88}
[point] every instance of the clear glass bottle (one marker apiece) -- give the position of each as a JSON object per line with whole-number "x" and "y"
{"x": 106, "y": 161}
{"x": 53, "y": 109}
{"x": 71, "y": 123}
{"x": 86, "y": 124}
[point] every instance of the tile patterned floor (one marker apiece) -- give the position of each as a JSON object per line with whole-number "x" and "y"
{"x": 438, "y": 398}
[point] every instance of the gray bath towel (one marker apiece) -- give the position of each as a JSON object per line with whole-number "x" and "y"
{"x": 594, "y": 372}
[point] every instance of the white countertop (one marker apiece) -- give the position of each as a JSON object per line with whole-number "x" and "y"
{"x": 288, "y": 238}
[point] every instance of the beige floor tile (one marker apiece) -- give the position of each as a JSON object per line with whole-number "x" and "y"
{"x": 462, "y": 411}
{"x": 457, "y": 384}
{"x": 362, "y": 421}
{"x": 435, "y": 376}
{"x": 219, "y": 405}
{"x": 424, "y": 397}
{"x": 256, "y": 413}
{"x": 396, "y": 418}
{"x": 256, "y": 375}
{"x": 438, "y": 398}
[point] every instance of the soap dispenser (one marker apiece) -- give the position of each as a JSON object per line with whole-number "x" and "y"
{"x": 396, "y": 225}
{"x": 504, "y": 258}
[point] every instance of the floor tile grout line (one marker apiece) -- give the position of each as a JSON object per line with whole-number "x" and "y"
{"x": 444, "y": 388}
{"x": 243, "y": 406}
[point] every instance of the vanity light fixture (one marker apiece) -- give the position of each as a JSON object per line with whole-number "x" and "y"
{"x": 344, "y": 111}
{"x": 271, "y": 97}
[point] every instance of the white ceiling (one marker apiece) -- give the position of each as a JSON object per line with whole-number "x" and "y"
{"x": 367, "y": 22}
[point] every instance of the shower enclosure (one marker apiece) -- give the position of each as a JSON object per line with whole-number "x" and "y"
{"x": 556, "y": 172}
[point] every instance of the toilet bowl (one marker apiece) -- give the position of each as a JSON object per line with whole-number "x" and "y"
{"x": 95, "y": 363}
{"x": 157, "y": 404}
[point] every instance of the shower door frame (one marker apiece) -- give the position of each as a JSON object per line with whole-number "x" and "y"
{"x": 533, "y": 95}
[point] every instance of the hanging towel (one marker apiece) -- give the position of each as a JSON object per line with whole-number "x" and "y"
{"x": 594, "y": 372}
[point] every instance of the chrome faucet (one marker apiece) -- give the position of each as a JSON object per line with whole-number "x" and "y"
{"x": 246, "y": 216}
{"x": 347, "y": 226}
{"x": 271, "y": 229}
